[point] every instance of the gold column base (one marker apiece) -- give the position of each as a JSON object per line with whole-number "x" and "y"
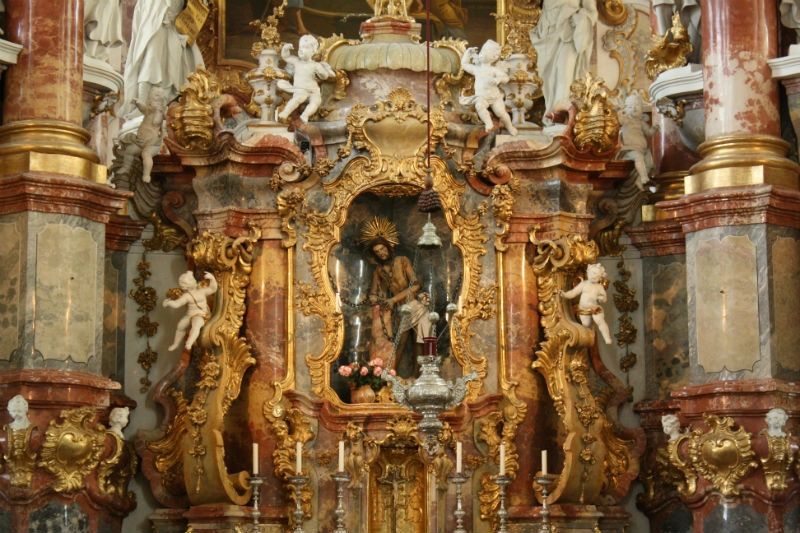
{"x": 669, "y": 186}
{"x": 53, "y": 146}
{"x": 742, "y": 159}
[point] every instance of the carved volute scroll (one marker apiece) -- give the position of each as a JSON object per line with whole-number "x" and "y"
{"x": 598, "y": 462}
{"x": 224, "y": 358}
{"x": 72, "y": 448}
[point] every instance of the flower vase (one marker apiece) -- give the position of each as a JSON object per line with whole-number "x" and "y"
{"x": 362, "y": 394}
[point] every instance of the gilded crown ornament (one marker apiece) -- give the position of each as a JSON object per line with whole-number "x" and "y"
{"x": 379, "y": 229}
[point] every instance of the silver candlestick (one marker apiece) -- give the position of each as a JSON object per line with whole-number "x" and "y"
{"x": 341, "y": 478}
{"x": 297, "y": 481}
{"x": 256, "y": 482}
{"x": 502, "y": 514}
{"x": 459, "y": 512}
{"x": 544, "y": 481}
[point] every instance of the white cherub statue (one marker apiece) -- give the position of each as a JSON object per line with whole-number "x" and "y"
{"x": 118, "y": 419}
{"x": 593, "y": 293}
{"x": 18, "y": 409}
{"x": 776, "y": 421}
{"x": 307, "y": 72}
{"x": 146, "y": 142}
{"x": 671, "y": 426}
{"x": 197, "y": 312}
{"x": 489, "y": 76}
{"x": 635, "y": 134}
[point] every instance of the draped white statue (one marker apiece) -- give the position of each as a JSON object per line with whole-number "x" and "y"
{"x": 790, "y": 17}
{"x": 563, "y": 39}
{"x": 102, "y": 28}
{"x": 690, "y": 18}
{"x": 159, "y": 55}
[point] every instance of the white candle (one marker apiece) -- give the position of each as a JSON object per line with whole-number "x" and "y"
{"x": 502, "y": 458}
{"x": 544, "y": 462}
{"x": 459, "y": 452}
{"x": 298, "y": 459}
{"x": 255, "y": 458}
{"x": 341, "y": 456}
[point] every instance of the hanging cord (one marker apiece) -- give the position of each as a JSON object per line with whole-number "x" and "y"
{"x": 428, "y": 76}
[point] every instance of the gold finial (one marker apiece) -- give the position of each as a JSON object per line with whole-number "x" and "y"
{"x": 379, "y": 228}
{"x": 270, "y": 36}
{"x": 670, "y": 51}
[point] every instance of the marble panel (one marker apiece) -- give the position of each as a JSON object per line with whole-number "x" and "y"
{"x": 791, "y": 520}
{"x": 10, "y": 287}
{"x": 678, "y": 521}
{"x": 785, "y": 303}
{"x": 65, "y": 319}
{"x": 735, "y": 519}
{"x": 55, "y": 517}
{"x": 666, "y": 328}
{"x": 726, "y": 304}
{"x": 114, "y": 316}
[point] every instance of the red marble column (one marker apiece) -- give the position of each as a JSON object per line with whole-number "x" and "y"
{"x": 42, "y": 110}
{"x": 742, "y": 124}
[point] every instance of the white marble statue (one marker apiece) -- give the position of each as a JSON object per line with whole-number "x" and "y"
{"x": 147, "y": 141}
{"x": 671, "y": 426}
{"x": 776, "y": 422}
{"x": 593, "y": 294}
{"x": 197, "y": 312}
{"x": 118, "y": 419}
{"x": 690, "y": 18}
{"x": 159, "y": 55}
{"x": 306, "y": 76}
{"x": 563, "y": 39}
{"x": 790, "y": 17}
{"x": 635, "y": 134}
{"x": 102, "y": 27}
{"x": 18, "y": 409}
{"x": 489, "y": 77}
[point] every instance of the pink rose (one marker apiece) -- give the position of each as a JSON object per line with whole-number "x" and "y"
{"x": 345, "y": 371}
{"x": 377, "y": 371}
{"x": 364, "y": 371}
{"x": 376, "y": 362}
{"x": 392, "y": 372}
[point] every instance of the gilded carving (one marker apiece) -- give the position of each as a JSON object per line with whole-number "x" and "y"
{"x": 500, "y": 426}
{"x": 520, "y": 17}
{"x": 386, "y": 165}
{"x": 225, "y": 356}
{"x": 362, "y": 451}
{"x": 289, "y": 425}
{"x": 683, "y": 477}
{"x": 268, "y": 31}
{"x": 502, "y": 208}
{"x": 597, "y": 459}
{"x": 168, "y": 454}
{"x": 670, "y": 50}
{"x": 117, "y": 470}
{"x": 72, "y": 448}
{"x": 193, "y": 118}
{"x": 778, "y": 464}
{"x": 20, "y": 459}
{"x": 722, "y": 455}
{"x": 625, "y": 302}
{"x": 612, "y": 12}
{"x": 145, "y": 298}
{"x": 596, "y": 126}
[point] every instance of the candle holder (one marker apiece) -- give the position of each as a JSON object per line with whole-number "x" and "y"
{"x": 297, "y": 481}
{"x": 341, "y": 479}
{"x": 459, "y": 512}
{"x": 502, "y": 514}
{"x": 545, "y": 481}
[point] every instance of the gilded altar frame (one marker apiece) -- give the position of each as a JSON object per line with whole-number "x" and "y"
{"x": 373, "y": 169}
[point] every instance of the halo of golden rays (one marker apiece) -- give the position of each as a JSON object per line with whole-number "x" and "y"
{"x": 379, "y": 229}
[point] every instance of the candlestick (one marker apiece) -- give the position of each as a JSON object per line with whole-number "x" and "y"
{"x": 544, "y": 462}
{"x": 341, "y": 457}
{"x": 256, "y": 483}
{"x": 459, "y": 511}
{"x": 459, "y": 452}
{"x": 341, "y": 478}
{"x": 297, "y": 482}
{"x": 298, "y": 457}
{"x": 502, "y": 482}
{"x": 545, "y": 481}
{"x": 255, "y": 459}
{"x": 502, "y": 459}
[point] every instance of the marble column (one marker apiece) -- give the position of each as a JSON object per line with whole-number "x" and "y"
{"x": 742, "y": 126}
{"x": 42, "y": 109}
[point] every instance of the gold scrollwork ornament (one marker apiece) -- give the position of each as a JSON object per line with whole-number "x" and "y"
{"x": 596, "y": 127}
{"x": 20, "y": 459}
{"x": 193, "y": 121}
{"x": 72, "y": 448}
{"x": 116, "y": 471}
{"x": 778, "y": 463}
{"x": 722, "y": 455}
{"x": 670, "y": 50}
